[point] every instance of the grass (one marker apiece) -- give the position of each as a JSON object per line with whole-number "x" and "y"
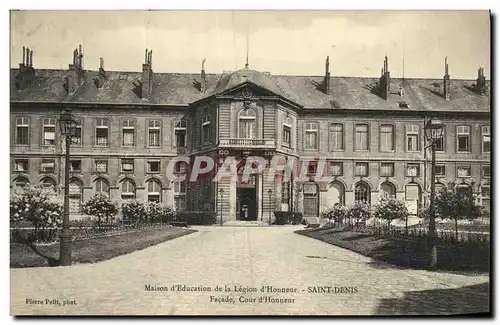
{"x": 96, "y": 249}
{"x": 403, "y": 252}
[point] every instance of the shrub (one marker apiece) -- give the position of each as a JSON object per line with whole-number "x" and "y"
{"x": 134, "y": 212}
{"x": 337, "y": 214}
{"x": 389, "y": 208}
{"x": 359, "y": 212}
{"x": 197, "y": 217}
{"x": 287, "y": 217}
{"x": 157, "y": 213}
{"x": 102, "y": 207}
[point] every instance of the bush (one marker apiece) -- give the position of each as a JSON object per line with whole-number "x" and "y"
{"x": 287, "y": 217}
{"x": 134, "y": 212}
{"x": 389, "y": 208}
{"x": 157, "y": 213}
{"x": 102, "y": 207}
{"x": 337, "y": 214}
{"x": 359, "y": 212}
{"x": 196, "y": 217}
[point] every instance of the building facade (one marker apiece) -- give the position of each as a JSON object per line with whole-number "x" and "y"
{"x": 366, "y": 135}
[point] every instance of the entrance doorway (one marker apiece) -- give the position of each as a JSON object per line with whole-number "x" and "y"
{"x": 246, "y": 204}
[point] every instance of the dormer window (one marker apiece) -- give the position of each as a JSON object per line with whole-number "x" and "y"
{"x": 403, "y": 104}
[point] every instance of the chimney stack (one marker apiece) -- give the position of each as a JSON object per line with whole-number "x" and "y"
{"x": 147, "y": 74}
{"x": 326, "y": 79}
{"x": 203, "y": 77}
{"x": 385, "y": 81}
{"x": 481, "y": 81}
{"x": 76, "y": 75}
{"x": 27, "y": 74}
{"x": 446, "y": 83}
{"x": 101, "y": 78}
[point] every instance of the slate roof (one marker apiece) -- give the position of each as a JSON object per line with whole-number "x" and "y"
{"x": 180, "y": 89}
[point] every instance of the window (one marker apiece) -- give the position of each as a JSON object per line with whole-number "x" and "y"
{"x": 154, "y": 133}
{"x": 311, "y": 135}
{"x": 101, "y": 166}
{"x": 102, "y": 132}
{"x": 440, "y": 170}
{"x": 485, "y": 130}
{"x": 127, "y": 165}
{"x": 336, "y": 137}
{"x": 413, "y": 170}
{"x": 285, "y": 192}
{"x": 486, "y": 171}
{"x": 154, "y": 191}
{"x": 75, "y": 166}
{"x": 205, "y": 129}
{"x": 21, "y": 165}
{"x": 21, "y": 182}
{"x": 77, "y": 138}
{"x": 22, "y": 130}
{"x": 287, "y": 132}
{"x": 180, "y": 195}
{"x": 246, "y": 124}
{"x": 440, "y": 141}
{"x": 386, "y": 137}
{"x": 388, "y": 189}
{"x": 485, "y": 197}
{"x": 154, "y": 166}
{"x": 180, "y": 167}
{"x": 312, "y": 167}
{"x": 463, "y": 138}
{"x": 412, "y": 135}
{"x": 336, "y": 168}
{"x": 361, "y": 169}
{"x": 48, "y": 183}
{"x": 128, "y": 133}
{"x": 463, "y": 171}
{"x": 128, "y": 190}
{"x": 387, "y": 169}
{"x": 362, "y": 193}
{"x": 49, "y": 131}
{"x": 180, "y": 128}
{"x": 361, "y": 137}
{"x": 412, "y": 194}
{"x": 47, "y": 166}
{"x": 403, "y": 104}
{"x": 101, "y": 186}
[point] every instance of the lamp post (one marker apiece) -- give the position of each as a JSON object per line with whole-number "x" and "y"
{"x": 433, "y": 132}
{"x": 221, "y": 191}
{"x": 270, "y": 193}
{"x": 68, "y": 129}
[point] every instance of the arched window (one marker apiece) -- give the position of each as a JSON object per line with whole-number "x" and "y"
{"x": 154, "y": 191}
{"x": 128, "y": 190}
{"x": 75, "y": 196}
{"x": 335, "y": 193}
{"x": 205, "y": 129}
{"x": 21, "y": 182}
{"x": 101, "y": 186}
{"x": 246, "y": 124}
{"x": 362, "y": 193}
{"x": 388, "y": 189}
{"x": 48, "y": 183}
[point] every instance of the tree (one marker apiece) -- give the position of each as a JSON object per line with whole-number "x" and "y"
{"x": 337, "y": 214}
{"x": 389, "y": 208}
{"x": 457, "y": 204}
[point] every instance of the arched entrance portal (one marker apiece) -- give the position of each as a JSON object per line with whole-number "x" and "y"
{"x": 310, "y": 199}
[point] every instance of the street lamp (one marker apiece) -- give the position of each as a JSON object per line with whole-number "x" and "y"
{"x": 221, "y": 191}
{"x": 433, "y": 132}
{"x": 68, "y": 129}
{"x": 270, "y": 193}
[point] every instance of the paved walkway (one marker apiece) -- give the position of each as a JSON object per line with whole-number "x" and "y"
{"x": 250, "y": 257}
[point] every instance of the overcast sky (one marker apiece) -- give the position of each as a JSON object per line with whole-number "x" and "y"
{"x": 281, "y": 42}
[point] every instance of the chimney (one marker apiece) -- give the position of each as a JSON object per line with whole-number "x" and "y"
{"x": 147, "y": 74}
{"x": 76, "y": 75}
{"x": 481, "y": 81}
{"x": 27, "y": 74}
{"x": 446, "y": 83}
{"x": 385, "y": 81}
{"x": 203, "y": 77}
{"x": 326, "y": 80}
{"x": 101, "y": 78}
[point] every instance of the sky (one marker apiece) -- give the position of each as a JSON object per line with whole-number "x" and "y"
{"x": 281, "y": 42}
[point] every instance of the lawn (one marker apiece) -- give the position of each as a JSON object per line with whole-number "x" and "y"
{"x": 96, "y": 249}
{"x": 404, "y": 252}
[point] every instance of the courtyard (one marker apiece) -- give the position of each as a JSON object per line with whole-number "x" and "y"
{"x": 268, "y": 270}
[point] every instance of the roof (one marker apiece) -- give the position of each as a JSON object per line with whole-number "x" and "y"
{"x": 183, "y": 89}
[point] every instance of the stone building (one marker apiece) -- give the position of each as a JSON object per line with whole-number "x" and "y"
{"x": 370, "y": 131}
